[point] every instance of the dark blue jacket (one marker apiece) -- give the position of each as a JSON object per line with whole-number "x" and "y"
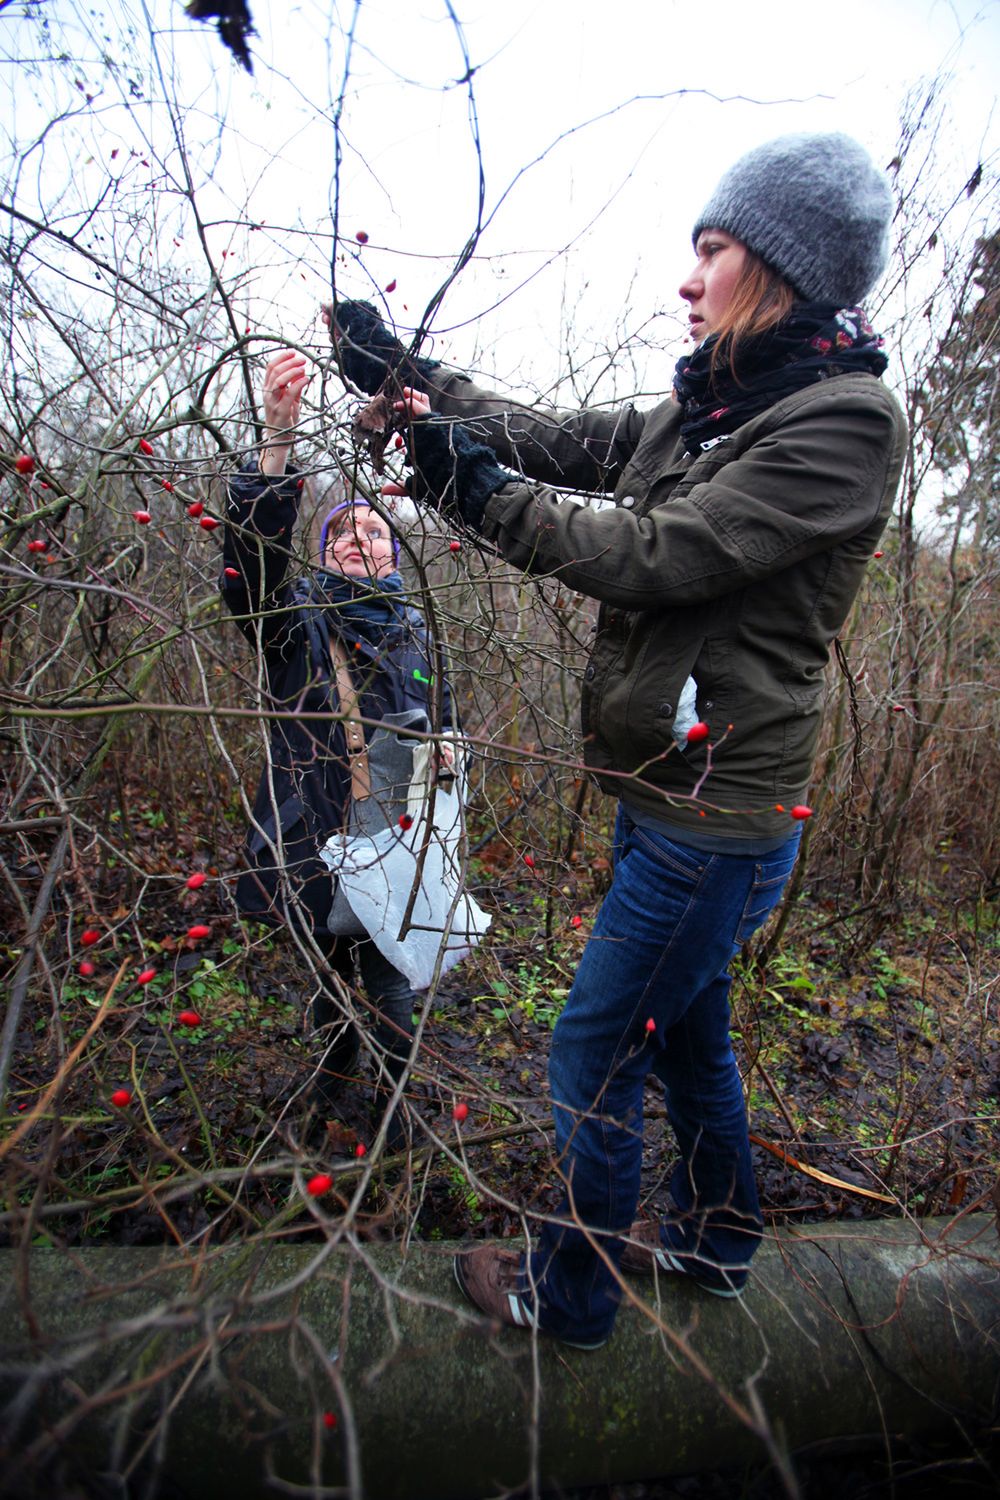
{"x": 307, "y": 787}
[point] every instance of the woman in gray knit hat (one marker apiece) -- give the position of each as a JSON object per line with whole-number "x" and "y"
{"x": 746, "y": 508}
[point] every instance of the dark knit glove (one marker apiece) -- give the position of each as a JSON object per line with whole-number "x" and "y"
{"x": 451, "y": 471}
{"x": 368, "y": 351}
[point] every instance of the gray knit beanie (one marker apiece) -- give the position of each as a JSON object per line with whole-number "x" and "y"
{"x": 815, "y": 208}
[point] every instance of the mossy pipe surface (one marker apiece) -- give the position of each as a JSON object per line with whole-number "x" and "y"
{"x": 360, "y": 1370}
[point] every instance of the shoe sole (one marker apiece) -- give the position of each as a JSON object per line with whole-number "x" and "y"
{"x": 521, "y": 1318}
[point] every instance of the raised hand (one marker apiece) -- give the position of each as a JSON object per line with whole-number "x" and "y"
{"x": 452, "y": 472}
{"x": 416, "y": 404}
{"x": 366, "y": 348}
{"x": 285, "y": 379}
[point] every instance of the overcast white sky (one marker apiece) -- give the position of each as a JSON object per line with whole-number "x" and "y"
{"x": 596, "y": 231}
{"x": 611, "y": 205}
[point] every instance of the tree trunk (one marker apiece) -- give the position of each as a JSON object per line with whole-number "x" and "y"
{"x": 363, "y": 1372}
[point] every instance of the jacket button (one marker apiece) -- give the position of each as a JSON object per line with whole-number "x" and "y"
{"x": 666, "y": 709}
{"x": 710, "y": 704}
{"x": 590, "y": 673}
{"x": 627, "y": 501}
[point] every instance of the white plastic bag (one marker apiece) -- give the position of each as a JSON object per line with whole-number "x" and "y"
{"x": 687, "y": 711}
{"x": 378, "y": 872}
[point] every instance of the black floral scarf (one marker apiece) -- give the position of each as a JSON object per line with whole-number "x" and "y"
{"x": 376, "y": 608}
{"x": 816, "y": 341}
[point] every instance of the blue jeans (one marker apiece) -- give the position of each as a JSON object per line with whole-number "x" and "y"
{"x": 664, "y": 937}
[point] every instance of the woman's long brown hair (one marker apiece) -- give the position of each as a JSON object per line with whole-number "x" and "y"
{"x": 760, "y": 299}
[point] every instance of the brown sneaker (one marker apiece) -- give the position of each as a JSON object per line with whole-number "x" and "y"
{"x": 494, "y": 1281}
{"x": 646, "y": 1255}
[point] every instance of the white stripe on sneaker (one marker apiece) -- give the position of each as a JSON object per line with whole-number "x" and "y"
{"x": 669, "y": 1262}
{"x": 520, "y": 1314}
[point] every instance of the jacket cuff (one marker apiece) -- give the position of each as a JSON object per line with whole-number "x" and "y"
{"x": 248, "y": 483}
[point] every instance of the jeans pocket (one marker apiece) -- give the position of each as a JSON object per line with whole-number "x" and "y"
{"x": 769, "y": 881}
{"x": 679, "y": 858}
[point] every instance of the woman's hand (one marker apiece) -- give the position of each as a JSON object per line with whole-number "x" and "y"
{"x": 416, "y": 404}
{"x": 445, "y": 760}
{"x": 285, "y": 379}
{"x": 452, "y": 472}
{"x": 367, "y": 351}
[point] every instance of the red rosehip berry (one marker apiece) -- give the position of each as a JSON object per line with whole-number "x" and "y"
{"x": 800, "y": 812}
{"x": 362, "y": 237}
{"x": 145, "y": 446}
{"x": 454, "y": 546}
{"x": 650, "y": 1025}
{"x": 898, "y": 708}
{"x": 208, "y": 523}
{"x": 391, "y": 287}
{"x": 24, "y": 463}
{"x": 86, "y": 970}
{"x": 576, "y": 921}
{"x": 142, "y": 517}
{"x": 196, "y": 881}
{"x": 167, "y": 486}
{"x": 878, "y": 554}
{"x": 460, "y": 1112}
{"x": 529, "y": 860}
{"x": 318, "y": 1185}
{"x": 146, "y": 976}
{"x": 697, "y": 733}
{"x": 120, "y": 1098}
{"x": 195, "y": 509}
{"x": 405, "y": 822}
{"x": 360, "y": 1149}
{"x": 199, "y": 930}
{"x": 37, "y": 546}
{"x": 231, "y": 572}
{"x": 189, "y": 1018}
{"x": 329, "y": 1419}
{"x": 90, "y": 937}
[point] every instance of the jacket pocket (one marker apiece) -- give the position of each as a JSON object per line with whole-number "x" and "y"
{"x": 798, "y": 742}
{"x": 641, "y": 704}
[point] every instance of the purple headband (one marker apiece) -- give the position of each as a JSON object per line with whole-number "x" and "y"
{"x": 350, "y": 505}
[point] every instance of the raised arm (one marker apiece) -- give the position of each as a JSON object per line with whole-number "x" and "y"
{"x": 263, "y": 501}
{"x": 816, "y": 477}
{"x": 256, "y": 547}
{"x": 285, "y": 379}
{"x": 573, "y": 449}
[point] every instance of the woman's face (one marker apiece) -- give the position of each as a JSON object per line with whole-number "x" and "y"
{"x": 359, "y": 544}
{"x": 709, "y": 288}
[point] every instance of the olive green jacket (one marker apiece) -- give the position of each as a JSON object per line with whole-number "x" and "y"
{"x": 737, "y": 567}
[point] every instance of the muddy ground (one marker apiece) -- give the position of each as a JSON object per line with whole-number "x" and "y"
{"x": 872, "y": 1075}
